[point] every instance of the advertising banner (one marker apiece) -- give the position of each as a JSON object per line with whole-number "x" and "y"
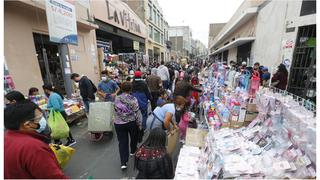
{"x": 62, "y": 21}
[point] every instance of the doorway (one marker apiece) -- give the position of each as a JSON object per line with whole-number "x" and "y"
{"x": 243, "y": 53}
{"x": 49, "y": 61}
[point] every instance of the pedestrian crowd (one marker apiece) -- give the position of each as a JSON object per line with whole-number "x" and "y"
{"x": 169, "y": 92}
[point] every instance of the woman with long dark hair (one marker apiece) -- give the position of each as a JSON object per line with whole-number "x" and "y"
{"x": 152, "y": 159}
{"x": 280, "y": 78}
{"x": 55, "y": 103}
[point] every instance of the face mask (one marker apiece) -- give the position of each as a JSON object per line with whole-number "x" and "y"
{"x": 178, "y": 108}
{"x": 42, "y": 125}
{"x": 104, "y": 78}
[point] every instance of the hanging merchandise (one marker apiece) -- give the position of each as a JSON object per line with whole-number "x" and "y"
{"x": 244, "y": 79}
{"x": 255, "y": 82}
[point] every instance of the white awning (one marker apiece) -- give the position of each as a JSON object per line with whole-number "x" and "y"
{"x": 242, "y": 19}
{"x": 234, "y": 43}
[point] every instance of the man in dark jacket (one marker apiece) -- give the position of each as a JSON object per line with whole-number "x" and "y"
{"x": 26, "y": 154}
{"x": 141, "y": 91}
{"x": 87, "y": 89}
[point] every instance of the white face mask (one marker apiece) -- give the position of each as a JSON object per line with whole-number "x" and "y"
{"x": 43, "y": 125}
{"x": 103, "y": 78}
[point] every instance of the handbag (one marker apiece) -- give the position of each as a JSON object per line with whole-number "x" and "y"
{"x": 62, "y": 153}
{"x": 58, "y": 125}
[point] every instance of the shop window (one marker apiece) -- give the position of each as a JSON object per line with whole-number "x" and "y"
{"x": 308, "y": 7}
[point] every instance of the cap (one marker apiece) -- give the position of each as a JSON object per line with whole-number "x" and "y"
{"x": 244, "y": 63}
{"x": 138, "y": 74}
{"x": 264, "y": 69}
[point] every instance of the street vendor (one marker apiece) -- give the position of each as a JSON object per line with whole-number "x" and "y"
{"x": 107, "y": 88}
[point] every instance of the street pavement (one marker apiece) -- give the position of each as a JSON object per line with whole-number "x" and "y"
{"x": 98, "y": 160}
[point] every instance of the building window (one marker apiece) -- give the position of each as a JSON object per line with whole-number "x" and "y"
{"x": 158, "y": 23}
{"x": 150, "y": 32}
{"x": 308, "y": 7}
{"x": 161, "y": 39}
{"x": 157, "y": 36}
{"x": 150, "y": 12}
{"x": 161, "y": 23}
{"x": 155, "y": 16}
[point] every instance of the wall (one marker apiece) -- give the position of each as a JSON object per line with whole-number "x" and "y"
{"x": 20, "y": 21}
{"x": 214, "y": 30}
{"x": 232, "y": 55}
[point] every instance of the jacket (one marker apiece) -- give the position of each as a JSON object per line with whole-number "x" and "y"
{"x": 26, "y": 156}
{"x": 141, "y": 91}
{"x": 55, "y": 102}
{"x": 163, "y": 73}
{"x": 184, "y": 89}
{"x": 87, "y": 89}
{"x": 153, "y": 163}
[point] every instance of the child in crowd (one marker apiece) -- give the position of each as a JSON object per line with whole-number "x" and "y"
{"x": 163, "y": 97}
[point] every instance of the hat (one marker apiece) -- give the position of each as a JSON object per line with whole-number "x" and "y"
{"x": 138, "y": 74}
{"x": 244, "y": 63}
{"x": 264, "y": 69}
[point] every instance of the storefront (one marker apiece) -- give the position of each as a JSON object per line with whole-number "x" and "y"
{"x": 121, "y": 29}
{"x": 32, "y": 59}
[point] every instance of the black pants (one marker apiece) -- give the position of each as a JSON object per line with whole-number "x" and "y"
{"x": 123, "y": 130}
{"x": 65, "y": 116}
{"x": 155, "y": 96}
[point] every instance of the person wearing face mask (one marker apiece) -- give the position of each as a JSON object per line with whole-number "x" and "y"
{"x": 26, "y": 155}
{"x": 164, "y": 116}
{"x": 87, "y": 89}
{"x": 55, "y": 103}
{"x": 107, "y": 88}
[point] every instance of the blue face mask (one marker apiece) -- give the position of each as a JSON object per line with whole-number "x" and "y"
{"x": 42, "y": 125}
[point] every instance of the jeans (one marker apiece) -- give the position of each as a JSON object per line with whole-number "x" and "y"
{"x": 144, "y": 113}
{"x": 86, "y": 105}
{"x": 122, "y": 131}
{"x": 165, "y": 84}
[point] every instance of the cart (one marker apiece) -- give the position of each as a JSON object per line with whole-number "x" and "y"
{"x": 100, "y": 121}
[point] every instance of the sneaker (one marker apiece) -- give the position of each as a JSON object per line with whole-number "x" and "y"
{"x": 58, "y": 142}
{"x": 71, "y": 143}
{"x": 124, "y": 166}
{"x": 131, "y": 154}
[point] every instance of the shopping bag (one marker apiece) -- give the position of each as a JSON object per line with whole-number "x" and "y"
{"x": 58, "y": 125}
{"x": 172, "y": 139}
{"x": 62, "y": 153}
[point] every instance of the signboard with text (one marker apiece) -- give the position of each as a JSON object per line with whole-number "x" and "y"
{"x": 62, "y": 21}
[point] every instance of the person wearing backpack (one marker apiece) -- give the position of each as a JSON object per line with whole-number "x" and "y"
{"x": 108, "y": 88}
{"x": 87, "y": 89}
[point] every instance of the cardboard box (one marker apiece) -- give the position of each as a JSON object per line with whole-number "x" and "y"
{"x": 250, "y": 116}
{"x": 225, "y": 125}
{"x": 236, "y": 124}
{"x": 252, "y": 108}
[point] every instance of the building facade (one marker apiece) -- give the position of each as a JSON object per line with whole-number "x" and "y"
{"x": 200, "y": 50}
{"x": 214, "y": 30}
{"x": 151, "y": 14}
{"x": 273, "y": 32}
{"x": 181, "y": 38}
{"x": 32, "y": 59}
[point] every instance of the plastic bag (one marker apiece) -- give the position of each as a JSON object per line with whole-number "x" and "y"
{"x": 58, "y": 125}
{"x": 62, "y": 153}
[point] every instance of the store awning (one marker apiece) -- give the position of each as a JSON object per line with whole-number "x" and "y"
{"x": 242, "y": 19}
{"x": 234, "y": 43}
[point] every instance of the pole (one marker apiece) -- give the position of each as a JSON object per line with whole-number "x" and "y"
{"x": 66, "y": 70}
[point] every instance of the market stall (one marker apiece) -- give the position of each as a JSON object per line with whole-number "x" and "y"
{"x": 268, "y": 133}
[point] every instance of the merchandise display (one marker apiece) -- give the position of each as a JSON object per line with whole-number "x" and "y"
{"x": 74, "y": 108}
{"x": 40, "y": 100}
{"x": 254, "y": 132}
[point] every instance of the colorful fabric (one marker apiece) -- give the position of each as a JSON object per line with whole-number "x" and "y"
{"x": 126, "y": 108}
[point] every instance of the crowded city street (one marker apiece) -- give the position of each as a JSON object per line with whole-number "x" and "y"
{"x": 159, "y": 89}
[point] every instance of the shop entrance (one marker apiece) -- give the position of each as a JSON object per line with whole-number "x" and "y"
{"x": 243, "y": 53}
{"x": 49, "y": 61}
{"x": 302, "y": 81}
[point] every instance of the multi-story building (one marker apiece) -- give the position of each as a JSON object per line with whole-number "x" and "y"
{"x": 214, "y": 30}
{"x": 181, "y": 38}
{"x": 151, "y": 14}
{"x": 200, "y": 50}
{"x": 168, "y": 43}
{"x": 273, "y": 32}
{"x": 29, "y": 51}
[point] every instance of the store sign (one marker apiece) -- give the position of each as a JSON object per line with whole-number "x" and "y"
{"x": 62, "y": 23}
{"x": 119, "y": 14}
{"x": 136, "y": 45}
{"x": 287, "y": 46}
